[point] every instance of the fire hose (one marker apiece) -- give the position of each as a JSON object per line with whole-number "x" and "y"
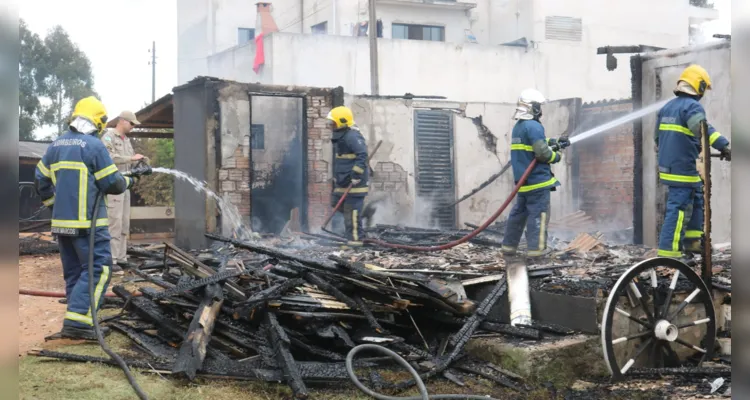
{"x": 140, "y": 169}
{"x": 470, "y": 235}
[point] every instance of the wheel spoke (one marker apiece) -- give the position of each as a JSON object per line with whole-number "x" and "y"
{"x": 634, "y": 319}
{"x": 670, "y": 292}
{"x": 671, "y": 358}
{"x": 639, "y": 296}
{"x": 654, "y": 285}
{"x": 683, "y": 304}
{"x": 633, "y": 336}
{"x": 694, "y": 323}
{"x": 638, "y": 352}
{"x": 688, "y": 345}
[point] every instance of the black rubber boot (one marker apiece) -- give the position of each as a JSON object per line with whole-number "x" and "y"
{"x": 69, "y": 332}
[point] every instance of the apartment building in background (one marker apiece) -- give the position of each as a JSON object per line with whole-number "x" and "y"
{"x": 466, "y": 50}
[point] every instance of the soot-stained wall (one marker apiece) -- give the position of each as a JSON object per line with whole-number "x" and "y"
{"x": 281, "y": 163}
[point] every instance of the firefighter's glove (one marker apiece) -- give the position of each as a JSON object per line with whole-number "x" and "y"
{"x": 726, "y": 154}
{"x": 563, "y": 142}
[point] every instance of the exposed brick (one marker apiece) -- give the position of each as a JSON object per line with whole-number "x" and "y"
{"x": 394, "y": 176}
{"x": 223, "y": 174}
{"x": 227, "y": 186}
{"x": 389, "y": 186}
{"x": 235, "y": 175}
{"x": 387, "y": 167}
{"x": 321, "y": 123}
{"x": 228, "y": 163}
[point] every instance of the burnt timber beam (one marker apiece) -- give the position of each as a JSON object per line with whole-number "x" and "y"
{"x": 193, "y": 349}
{"x": 627, "y": 49}
{"x": 196, "y": 268}
{"x": 280, "y": 343}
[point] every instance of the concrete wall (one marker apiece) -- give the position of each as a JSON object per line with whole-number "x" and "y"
{"x": 659, "y": 76}
{"x": 392, "y": 121}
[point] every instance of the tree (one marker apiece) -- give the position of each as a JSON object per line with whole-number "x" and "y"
{"x": 157, "y": 189}
{"x": 67, "y": 78}
{"x": 53, "y": 74}
{"x": 31, "y": 80}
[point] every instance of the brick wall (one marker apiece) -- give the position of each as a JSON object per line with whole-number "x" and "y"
{"x": 319, "y": 183}
{"x": 235, "y": 173}
{"x": 388, "y": 177}
{"x": 234, "y": 179}
{"x": 605, "y": 166}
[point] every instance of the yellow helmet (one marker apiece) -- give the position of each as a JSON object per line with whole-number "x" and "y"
{"x": 93, "y": 110}
{"x": 697, "y": 77}
{"x": 342, "y": 117}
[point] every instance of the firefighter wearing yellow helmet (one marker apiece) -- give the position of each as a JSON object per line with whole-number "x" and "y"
{"x": 73, "y": 170}
{"x": 681, "y": 124}
{"x": 349, "y": 168}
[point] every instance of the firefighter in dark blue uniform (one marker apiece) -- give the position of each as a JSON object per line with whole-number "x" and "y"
{"x": 681, "y": 124}
{"x": 75, "y": 168}
{"x": 532, "y": 208}
{"x": 349, "y": 168}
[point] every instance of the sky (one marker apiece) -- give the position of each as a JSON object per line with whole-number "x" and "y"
{"x": 117, "y": 35}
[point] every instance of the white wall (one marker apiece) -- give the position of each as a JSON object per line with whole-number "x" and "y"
{"x": 392, "y": 121}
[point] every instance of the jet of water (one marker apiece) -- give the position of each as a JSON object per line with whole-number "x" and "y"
{"x": 228, "y": 210}
{"x": 619, "y": 121}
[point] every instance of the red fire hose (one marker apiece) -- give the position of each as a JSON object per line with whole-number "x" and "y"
{"x": 468, "y": 236}
{"x": 60, "y": 295}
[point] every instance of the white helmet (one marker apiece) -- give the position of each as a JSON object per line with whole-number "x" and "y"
{"x": 529, "y": 104}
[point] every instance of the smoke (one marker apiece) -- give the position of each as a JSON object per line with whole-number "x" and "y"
{"x": 391, "y": 210}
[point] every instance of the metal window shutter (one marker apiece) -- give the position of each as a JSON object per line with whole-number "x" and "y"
{"x": 563, "y": 28}
{"x": 434, "y": 159}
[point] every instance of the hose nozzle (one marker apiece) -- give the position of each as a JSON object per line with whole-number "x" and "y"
{"x": 140, "y": 169}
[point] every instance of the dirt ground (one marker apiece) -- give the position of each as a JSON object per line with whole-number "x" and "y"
{"x": 39, "y": 316}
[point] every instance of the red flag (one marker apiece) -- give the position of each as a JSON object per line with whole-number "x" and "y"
{"x": 259, "y": 57}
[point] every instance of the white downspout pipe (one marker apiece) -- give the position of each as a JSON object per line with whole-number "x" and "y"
{"x": 518, "y": 294}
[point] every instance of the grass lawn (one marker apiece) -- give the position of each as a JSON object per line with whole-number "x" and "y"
{"x": 41, "y": 378}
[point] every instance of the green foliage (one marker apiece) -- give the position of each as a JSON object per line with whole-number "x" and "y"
{"x": 157, "y": 189}
{"x": 55, "y": 69}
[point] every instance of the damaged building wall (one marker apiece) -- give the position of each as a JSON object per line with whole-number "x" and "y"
{"x": 659, "y": 73}
{"x": 605, "y": 165}
{"x": 282, "y": 160}
{"x": 476, "y": 156}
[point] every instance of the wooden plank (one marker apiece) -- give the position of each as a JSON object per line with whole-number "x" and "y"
{"x": 193, "y": 349}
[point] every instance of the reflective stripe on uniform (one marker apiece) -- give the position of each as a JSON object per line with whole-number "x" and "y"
{"x": 693, "y": 234}
{"x": 508, "y": 250}
{"x": 49, "y": 201}
{"x": 83, "y": 181}
{"x": 678, "y": 231}
{"x": 552, "y": 157}
{"x": 355, "y": 226}
{"x": 42, "y": 168}
{"x": 105, "y": 172}
{"x": 523, "y": 147}
{"x": 100, "y": 287}
{"x": 353, "y": 190}
{"x": 79, "y": 318}
{"x": 358, "y": 170}
{"x": 667, "y": 253}
{"x": 348, "y": 156}
{"x": 714, "y": 137}
{"x": 528, "y": 188}
{"x": 542, "y": 231}
{"x": 675, "y": 128}
{"x": 64, "y": 223}
{"x": 679, "y": 178}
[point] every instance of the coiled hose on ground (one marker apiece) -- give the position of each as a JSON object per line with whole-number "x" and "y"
{"x": 470, "y": 235}
{"x": 423, "y": 395}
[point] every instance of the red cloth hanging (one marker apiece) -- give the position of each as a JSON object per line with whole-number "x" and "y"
{"x": 259, "y": 55}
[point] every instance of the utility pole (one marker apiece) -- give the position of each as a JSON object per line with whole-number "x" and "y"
{"x": 153, "y": 71}
{"x": 373, "y": 36}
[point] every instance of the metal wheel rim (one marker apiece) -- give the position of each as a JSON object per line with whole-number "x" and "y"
{"x": 619, "y": 289}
